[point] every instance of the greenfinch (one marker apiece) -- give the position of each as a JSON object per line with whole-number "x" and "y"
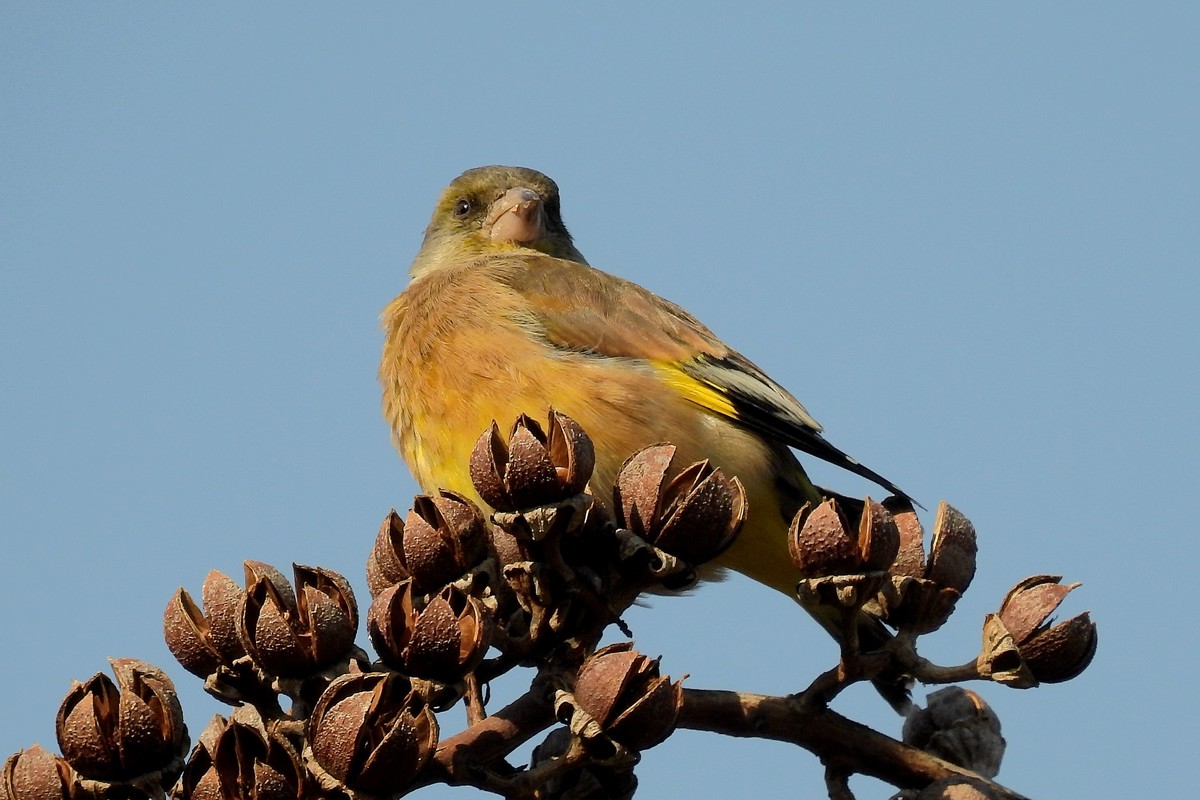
{"x": 504, "y": 316}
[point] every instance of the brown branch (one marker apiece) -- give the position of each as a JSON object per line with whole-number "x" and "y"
{"x": 460, "y": 759}
{"x": 903, "y": 648}
{"x": 840, "y": 743}
{"x": 929, "y": 673}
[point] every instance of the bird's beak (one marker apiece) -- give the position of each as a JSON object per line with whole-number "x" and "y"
{"x": 517, "y": 217}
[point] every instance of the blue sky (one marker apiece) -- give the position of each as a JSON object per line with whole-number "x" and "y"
{"x": 967, "y": 239}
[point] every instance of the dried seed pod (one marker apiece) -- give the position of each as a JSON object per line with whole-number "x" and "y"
{"x": 1022, "y": 648}
{"x": 571, "y": 452}
{"x": 952, "y": 554}
{"x": 639, "y": 486}
{"x": 256, "y": 571}
{"x": 695, "y": 516}
{"x": 910, "y": 556}
{"x": 822, "y": 541}
{"x": 385, "y": 564}
{"x": 532, "y": 468}
{"x": 442, "y": 642}
{"x": 35, "y": 774}
{"x": 878, "y": 537}
{"x": 1030, "y": 603}
{"x": 842, "y": 565}
{"x": 623, "y": 691}
{"x": 1061, "y": 652}
{"x": 328, "y": 612}
{"x": 443, "y": 537}
{"x": 118, "y": 731}
{"x": 241, "y": 758}
{"x": 294, "y": 635}
{"x": 370, "y": 732}
{"x": 922, "y": 593}
{"x": 957, "y": 725}
{"x": 203, "y": 641}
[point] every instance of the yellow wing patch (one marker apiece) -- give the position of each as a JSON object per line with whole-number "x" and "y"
{"x": 699, "y": 392}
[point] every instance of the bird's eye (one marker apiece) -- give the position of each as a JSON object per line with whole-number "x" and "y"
{"x": 462, "y": 208}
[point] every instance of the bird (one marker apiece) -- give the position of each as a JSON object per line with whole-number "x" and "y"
{"x": 504, "y": 316}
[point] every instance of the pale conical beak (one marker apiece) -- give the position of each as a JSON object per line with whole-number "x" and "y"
{"x": 518, "y": 217}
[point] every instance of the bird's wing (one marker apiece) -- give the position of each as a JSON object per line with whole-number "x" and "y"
{"x": 578, "y": 308}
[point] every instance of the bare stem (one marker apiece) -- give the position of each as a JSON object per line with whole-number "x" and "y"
{"x": 903, "y": 648}
{"x": 474, "y": 700}
{"x": 840, "y": 743}
{"x": 929, "y": 673}
{"x": 829, "y": 684}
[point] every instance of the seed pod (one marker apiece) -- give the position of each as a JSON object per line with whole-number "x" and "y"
{"x": 695, "y": 515}
{"x": 1021, "y": 647}
{"x": 117, "y": 731}
{"x": 532, "y": 468}
{"x": 294, "y": 634}
{"x": 371, "y": 732}
{"x": 623, "y": 691}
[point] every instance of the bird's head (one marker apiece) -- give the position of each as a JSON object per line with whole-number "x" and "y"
{"x": 495, "y": 210}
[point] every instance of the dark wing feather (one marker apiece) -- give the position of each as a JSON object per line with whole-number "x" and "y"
{"x": 580, "y": 308}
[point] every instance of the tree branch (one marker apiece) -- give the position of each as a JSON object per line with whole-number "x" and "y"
{"x": 459, "y": 759}
{"x": 841, "y": 743}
